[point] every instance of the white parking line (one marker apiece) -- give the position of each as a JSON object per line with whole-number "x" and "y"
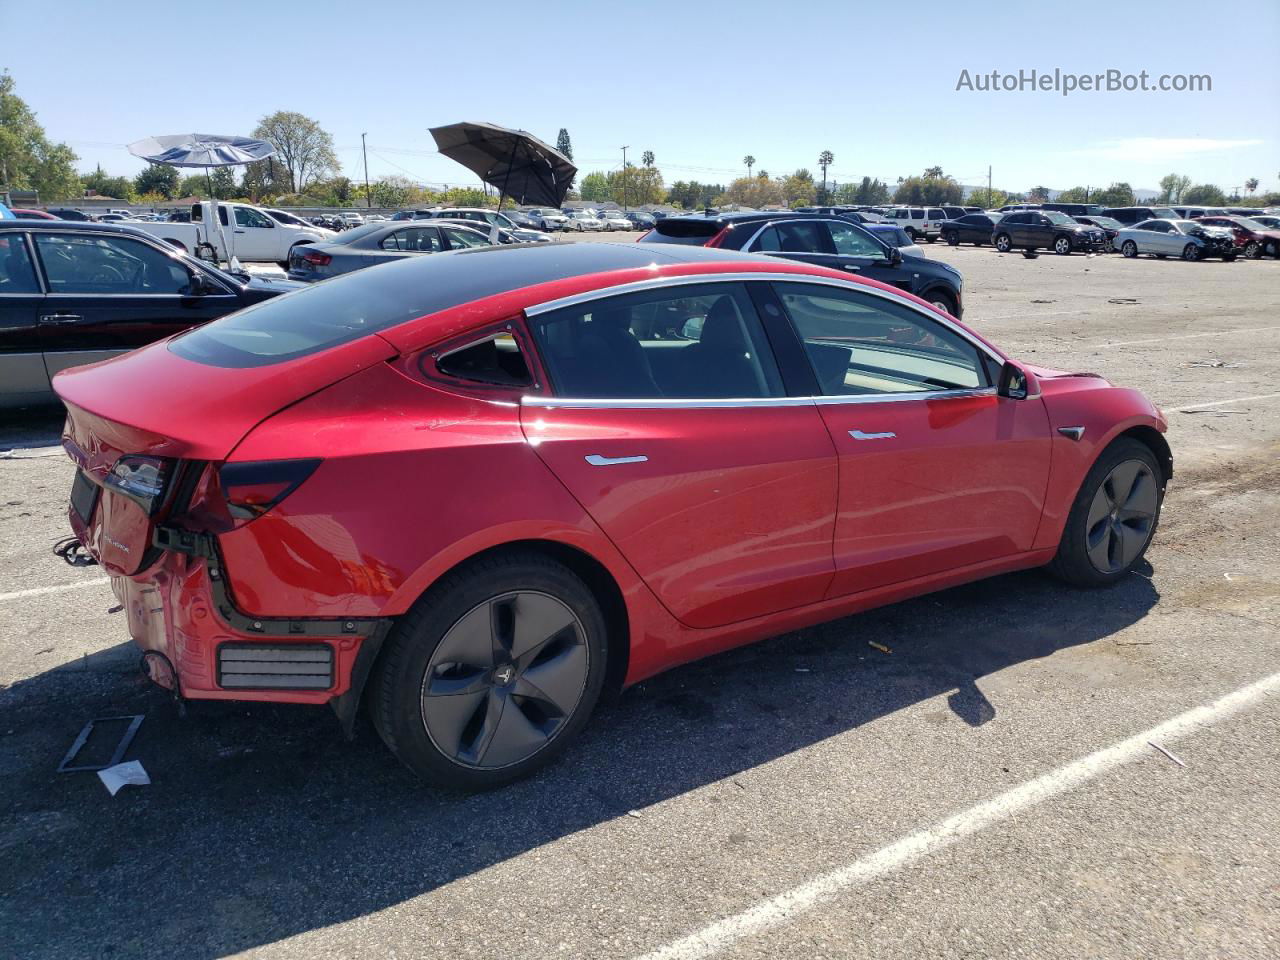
{"x": 1222, "y": 403}
{"x": 786, "y": 906}
{"x": 1181, "y": 336}
{"x": 37, "y": 591}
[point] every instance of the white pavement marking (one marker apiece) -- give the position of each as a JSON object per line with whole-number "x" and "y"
{"x": 1181, "y": 336}
{"x": 787, "y": 906}
{"x": 1222, "y": 403}
{"x": 37, "y": 591}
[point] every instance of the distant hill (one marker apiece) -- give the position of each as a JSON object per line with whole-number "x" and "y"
{"x": 1141, "y": 194}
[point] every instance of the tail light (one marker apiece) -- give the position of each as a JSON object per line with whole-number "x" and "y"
{"x": 251, "y": 489}
{"x": 141, "y": 479}
{"x": 315, "y": 257}
{"x": 719, "y": 238}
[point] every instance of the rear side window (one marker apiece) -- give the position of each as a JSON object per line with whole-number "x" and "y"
{"x": 413, "y": 239}
{"x": 694, "y": 233}
{"x": 496, "y": 361}
{"x": 17, "y": 273}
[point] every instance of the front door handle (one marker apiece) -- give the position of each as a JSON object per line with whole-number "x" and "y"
{"x": 598, "y": 461}
{"x": 852, "y": 268}
{"x": 60, "y": 317}
{"x": 859, "y": 435}
{"x": 239, "y": 231}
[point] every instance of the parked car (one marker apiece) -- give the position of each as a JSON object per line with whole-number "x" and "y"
{"x": 522, "y": 220}
{"x": 76, "y": 292}
{"x": 1131, "y": 215}
{"x": 1036, "y": 229}
{"x": 516, "y": 235}
{"x": 25, "y": 214}
{"x": 1176, "y": 238}
{"x": 919, "y": 222}
{"x": 581, "y": 220}
{"x": 895, "y": 236}
{"x": 1192, "y": 213}
{"x": 66, "y": 213}
{"x": 486, "y": 220}
{"x": 1107, "y": 225}
{"x": 1252, "y": 239}
{"x": 615, "y": 220}
{"x": 547, "y": 218}
{"x": 975, "y": 228}
{"x": 113, "y": 217}
{"x": 823, "y": 241}
{"x": 1245, "y": 211}
{"x": 375, "y": 243}
{"x": 497, "y": 483}
{"x": 411, "y": 215}
{"x": 641, "y": 220}
{"x": 286, "y": 218}
{"x": 1074, "y": 209}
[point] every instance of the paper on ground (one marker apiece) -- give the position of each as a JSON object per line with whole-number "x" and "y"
{"x": 131, "y": 771}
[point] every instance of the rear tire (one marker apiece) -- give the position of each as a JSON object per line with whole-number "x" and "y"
{"x": 910, "y": 232}
{"x": 1252, "y": 250}
{"x": 1113, "y": 518}
{"x": 952, "y": 238}
{"x": 1004, "y": 243}
{"x": 471, "y": 650}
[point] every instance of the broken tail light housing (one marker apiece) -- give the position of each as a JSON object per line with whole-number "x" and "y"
{"x": 251, "y": 489}
{"x": 142, "y": 479}
{"x": 315, "y": 257}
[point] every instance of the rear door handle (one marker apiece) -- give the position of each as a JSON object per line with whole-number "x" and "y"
{"x": 239, "y": 231}
{"x": 859, "y": 435}
{"x": 851, "y": 268}
{"x": 598, "y": 461}
{"x": 60, "y": 317}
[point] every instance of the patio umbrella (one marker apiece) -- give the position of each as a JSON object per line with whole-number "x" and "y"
{"x": 205, "y": 150}
{"x": 520, "y": 165}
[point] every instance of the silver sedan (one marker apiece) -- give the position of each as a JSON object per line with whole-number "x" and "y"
{"x": 1175, "y": 238}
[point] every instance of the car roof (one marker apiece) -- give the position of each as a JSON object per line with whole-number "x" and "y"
{"x": 441, "y": 286}
{"x": 78, "y": 226}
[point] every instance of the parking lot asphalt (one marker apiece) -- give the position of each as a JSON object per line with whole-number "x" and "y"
{"x": 984, "y": 789}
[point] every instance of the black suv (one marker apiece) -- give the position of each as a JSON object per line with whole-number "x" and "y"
{"x": 826, "y": 241}
{"x": 1033, "y": 229}
{"x": 975, "y": 228}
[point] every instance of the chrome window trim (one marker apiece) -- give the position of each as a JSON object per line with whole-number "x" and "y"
{"x": 843, "y": 283}
{"x": 662, "y": 403}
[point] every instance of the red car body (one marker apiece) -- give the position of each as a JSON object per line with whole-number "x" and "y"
{"x": 1248, "y": 240}
{"x": 747, "y": 519}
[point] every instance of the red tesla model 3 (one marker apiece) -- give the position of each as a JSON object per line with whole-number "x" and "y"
{"x": 475, "y": 489}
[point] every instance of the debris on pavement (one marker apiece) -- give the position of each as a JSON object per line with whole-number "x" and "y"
{"x": 133, "y": 722}
{"x": 879, "y": 646}
{"x": 123, "y": 774}
{"x": 1166, "y": 753}
{"x": 1122, "y": 300}
{"x": 635, "y": 813}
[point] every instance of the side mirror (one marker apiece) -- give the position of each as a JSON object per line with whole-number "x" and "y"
{"x": 895, "y": 256}
{"x": 1013, "y": 382}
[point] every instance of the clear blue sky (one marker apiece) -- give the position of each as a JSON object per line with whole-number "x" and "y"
{"x": 701, "y": 83}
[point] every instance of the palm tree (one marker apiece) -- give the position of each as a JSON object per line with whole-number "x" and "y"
{"x": 750, "y": 161}
{"x": 825, "y": 159}
{"x": 647, "y": 158}
{"x": 1251, "y": 184}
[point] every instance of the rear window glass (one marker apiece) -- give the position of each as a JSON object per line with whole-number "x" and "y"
{"x": 691, "y": 232}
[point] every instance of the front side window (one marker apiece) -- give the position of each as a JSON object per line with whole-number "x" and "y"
{"x": 861, "y": 344}
{"x": 851, "y": 242}
{"x": 17, "y": 272}
{"x": 248, "y": 217}
{"x": 463, "y": 238}
{"x": 105, "y": 264}
{"x": 690, "y": 342}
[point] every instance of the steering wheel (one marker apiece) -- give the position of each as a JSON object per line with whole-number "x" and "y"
{"x": 105, "y": 273}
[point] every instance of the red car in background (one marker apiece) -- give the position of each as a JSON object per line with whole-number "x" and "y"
{"x": 1252, "y": 238}
{"x": 478, "y": 488}
{"x": 23, "y": 214}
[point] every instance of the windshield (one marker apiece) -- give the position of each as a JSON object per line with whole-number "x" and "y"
{"x": 1059, "y": 218}
{"x": 1109, "y": 223}
{"x": 1249, "y": 224}
{"x": 287, "y": 218}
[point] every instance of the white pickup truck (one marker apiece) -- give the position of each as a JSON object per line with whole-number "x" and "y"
{"x": 247, "y": 231}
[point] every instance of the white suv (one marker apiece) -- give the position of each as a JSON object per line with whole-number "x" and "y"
{"x": 919, "y": 222}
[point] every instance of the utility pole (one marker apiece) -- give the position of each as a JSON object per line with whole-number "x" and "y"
{"x": 989, "y": 201}
{"x": 368, "y": 197}
{"x": 624, "y": 177}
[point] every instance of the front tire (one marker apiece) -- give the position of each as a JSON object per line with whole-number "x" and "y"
{"x": 1113, "y": 518}
{"x": 1004, "y": 243}
{"x": 492, "y": 673}
{"x": 942, "y": 300}
{"x": 1190, "y": 252}
{"x": 1129, "y": 249}
{"x": 910, "y": 232}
